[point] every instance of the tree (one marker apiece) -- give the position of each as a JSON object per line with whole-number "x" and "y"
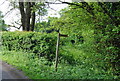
{"x": 2, "y": 23}
{"x": 99, "y": 25}
{"x": 26, "y": 15}
{"x": 41, "y": 26}
{"x": 28, "y": 10}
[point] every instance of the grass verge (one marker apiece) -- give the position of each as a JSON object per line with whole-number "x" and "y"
{"x": 39, "y": 68}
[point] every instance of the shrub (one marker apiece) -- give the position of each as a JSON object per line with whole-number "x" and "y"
{"x": 32, "y": 42}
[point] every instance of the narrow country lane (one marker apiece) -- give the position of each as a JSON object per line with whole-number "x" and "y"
{"x": 8, "y": 72}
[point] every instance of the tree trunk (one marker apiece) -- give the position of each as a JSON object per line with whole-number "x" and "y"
{"x": 33, "y": 19}
{"x": 26, "y": 15}
{"x": 23, "y": 17}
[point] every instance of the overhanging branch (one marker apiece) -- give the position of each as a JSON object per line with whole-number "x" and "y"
{"x": 15, "y": 26}
{"x": 88, "y": 8}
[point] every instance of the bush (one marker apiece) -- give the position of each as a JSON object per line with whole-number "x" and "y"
{"x": 32, "y": 42}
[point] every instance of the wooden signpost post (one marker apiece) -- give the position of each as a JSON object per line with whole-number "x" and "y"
{"x": 57, "y": 49}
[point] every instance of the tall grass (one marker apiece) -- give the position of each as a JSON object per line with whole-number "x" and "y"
{"x": 39, "y": 68}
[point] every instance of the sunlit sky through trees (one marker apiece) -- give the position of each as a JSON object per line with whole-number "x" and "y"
{"x": 10, "y": 16}
{"x": 13, "y": 15}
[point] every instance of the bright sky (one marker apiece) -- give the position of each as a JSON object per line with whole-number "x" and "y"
{"x": 15, "y": 16}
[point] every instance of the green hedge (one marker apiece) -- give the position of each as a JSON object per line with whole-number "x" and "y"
{"x": 33, "y": 42}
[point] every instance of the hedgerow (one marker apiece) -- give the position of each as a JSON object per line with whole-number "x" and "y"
{"x": 31, "y": 42}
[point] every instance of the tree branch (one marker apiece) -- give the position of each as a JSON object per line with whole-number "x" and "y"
{"x": 15, "y": 26}
{"x": 10, "y": 11}
{"x": 88, "y": 8}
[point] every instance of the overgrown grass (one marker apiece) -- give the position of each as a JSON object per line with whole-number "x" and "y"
{"x": 39, "y": 68}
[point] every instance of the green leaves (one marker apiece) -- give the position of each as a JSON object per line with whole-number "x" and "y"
{"x": 40, "y": 44}
{"x": 116, "y": 29}
{"x": 38, "y": 68}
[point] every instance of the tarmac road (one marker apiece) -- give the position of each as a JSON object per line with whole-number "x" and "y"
{"x": 9, "y": 72}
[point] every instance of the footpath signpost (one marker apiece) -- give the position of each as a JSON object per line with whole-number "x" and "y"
{"x": 57, "y": 49}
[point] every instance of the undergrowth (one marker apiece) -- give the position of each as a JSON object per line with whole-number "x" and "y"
{"x": 39, "y": 68}
{"x": 34, "y": 54}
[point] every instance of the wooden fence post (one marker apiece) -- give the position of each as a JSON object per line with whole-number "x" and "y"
{"x": 57, "y": 51}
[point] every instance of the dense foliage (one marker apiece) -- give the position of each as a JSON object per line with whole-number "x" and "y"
{"x": 32, "y": 42}
{"x": 38, "y": 68}
{"x": 99, "y": 26}
{"x": 91, "y": 50}
{"x": 78, "y": 59}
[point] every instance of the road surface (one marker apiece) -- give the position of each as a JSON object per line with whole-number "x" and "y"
{"x": 8, "y": 72}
